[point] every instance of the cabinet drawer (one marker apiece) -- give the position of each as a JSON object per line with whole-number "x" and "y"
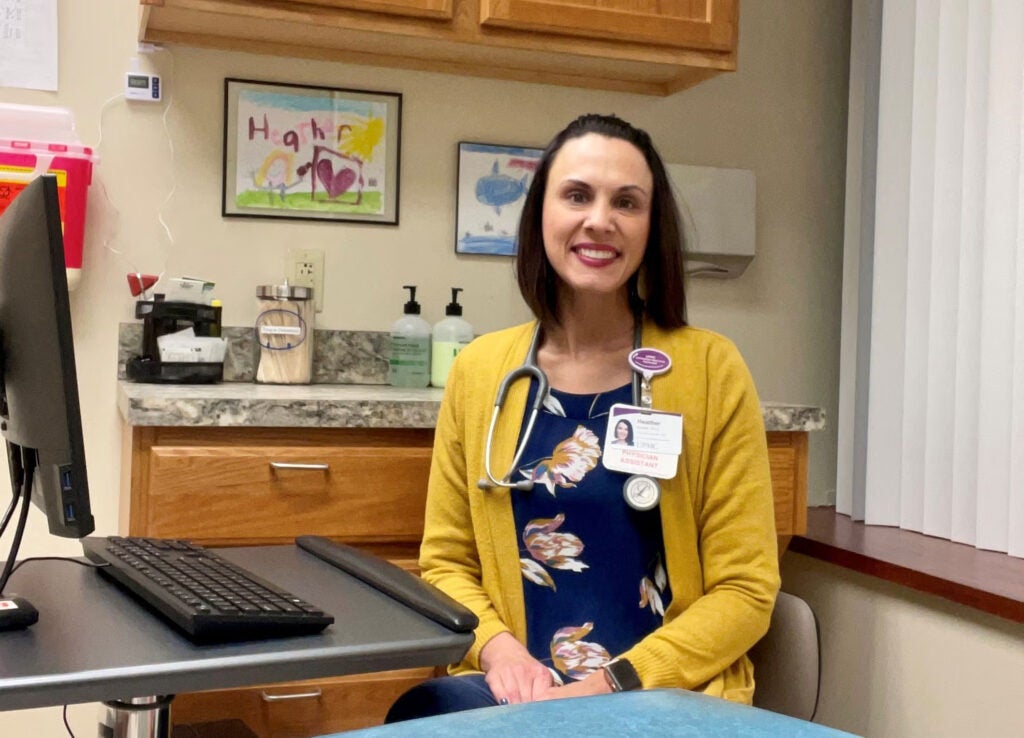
{"x": 256, "y": 486}
{"x": 246, "y": 491}
{"x": 301, "y": 709}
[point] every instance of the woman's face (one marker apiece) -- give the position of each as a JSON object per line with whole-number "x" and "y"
{"x": 597, "y": 213}
{"x": 621, "y": 431}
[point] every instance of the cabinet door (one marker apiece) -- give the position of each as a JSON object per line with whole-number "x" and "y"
{"x": 787, "y": 456}
{"x": 434, "y": 9}
{"x": 689, "y": 24}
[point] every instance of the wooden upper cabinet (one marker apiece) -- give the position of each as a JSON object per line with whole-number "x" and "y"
{"x": 654, "y": 47}
{"x": 683, "y": 24}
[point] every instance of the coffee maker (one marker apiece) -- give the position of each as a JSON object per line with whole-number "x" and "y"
{"x": 161, "y": 317}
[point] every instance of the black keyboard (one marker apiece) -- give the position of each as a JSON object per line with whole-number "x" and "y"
{"x": 208, "y": 598}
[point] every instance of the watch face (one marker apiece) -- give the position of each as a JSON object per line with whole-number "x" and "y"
{"x": 622, "y": 675}
{"x": 641, "y": 493}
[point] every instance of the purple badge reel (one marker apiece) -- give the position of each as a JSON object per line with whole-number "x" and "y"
{"x": 649, "y": 362}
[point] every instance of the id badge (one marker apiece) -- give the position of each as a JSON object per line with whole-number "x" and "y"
{"x": 641, "y": 441}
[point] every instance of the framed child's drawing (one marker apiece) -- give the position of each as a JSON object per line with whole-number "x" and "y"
{"x": 493, "y": 181}
{"x": 313, "y": 153}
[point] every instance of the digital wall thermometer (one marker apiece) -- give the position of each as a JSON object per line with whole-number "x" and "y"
{"x": 139, "y": 86}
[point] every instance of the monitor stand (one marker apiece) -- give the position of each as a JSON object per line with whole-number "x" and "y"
{"x": 138, "y": 717}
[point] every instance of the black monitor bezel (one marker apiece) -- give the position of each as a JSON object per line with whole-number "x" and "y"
{"x": 60, "y": 486}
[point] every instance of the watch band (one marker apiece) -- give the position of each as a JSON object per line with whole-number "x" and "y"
{"x": 621, "y": 675}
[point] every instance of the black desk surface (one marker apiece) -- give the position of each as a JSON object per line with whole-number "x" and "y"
{"x": 94, "y": 642}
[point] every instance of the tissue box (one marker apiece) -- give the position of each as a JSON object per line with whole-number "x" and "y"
{"x": 187, "y": 289}
{"x": 177, "y": 347}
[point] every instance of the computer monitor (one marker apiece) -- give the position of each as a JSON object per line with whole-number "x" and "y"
{"x": 39, "y": 411}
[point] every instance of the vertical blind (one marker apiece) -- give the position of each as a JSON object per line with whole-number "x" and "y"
{"x": 932, "y": 423}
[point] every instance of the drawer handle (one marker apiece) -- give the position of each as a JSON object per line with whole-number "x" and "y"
{"x": 291, "y": 465}
{"x": 285, "y": 697}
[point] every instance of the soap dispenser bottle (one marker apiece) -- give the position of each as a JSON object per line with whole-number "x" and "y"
{"x": 451, "y": 335}
{"x": 410, "y": 346}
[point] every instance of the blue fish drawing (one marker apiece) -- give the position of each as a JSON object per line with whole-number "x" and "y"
{"x": 497, "y": 190}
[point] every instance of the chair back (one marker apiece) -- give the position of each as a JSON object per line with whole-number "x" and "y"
{"x": 787, "y": 661}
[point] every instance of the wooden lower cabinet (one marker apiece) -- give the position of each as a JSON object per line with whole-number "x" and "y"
{"x": 366, "y": 487}
{"x": 297, "y": 709}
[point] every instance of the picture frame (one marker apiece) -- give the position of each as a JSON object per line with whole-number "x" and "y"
{"x": 492, "y": 184}
{"x": 311, "y": 153}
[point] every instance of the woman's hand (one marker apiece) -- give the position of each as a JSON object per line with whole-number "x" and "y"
{"x": 595, "y": 683}
{"x": 511, "y": 672}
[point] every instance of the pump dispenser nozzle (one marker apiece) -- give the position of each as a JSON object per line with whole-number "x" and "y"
{"x": 411, "y": 307}
{"x": 453, "y": 307}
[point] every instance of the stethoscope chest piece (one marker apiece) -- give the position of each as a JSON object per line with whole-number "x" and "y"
{"x": 641, "y": 492}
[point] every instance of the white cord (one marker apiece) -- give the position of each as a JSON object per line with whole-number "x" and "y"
{"x": 132, "y": 269}
{"x": 103, "y": 109}
{"x": 174, "y": 183}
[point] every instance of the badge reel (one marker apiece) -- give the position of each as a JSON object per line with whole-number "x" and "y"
{"x": 643, "y": 492}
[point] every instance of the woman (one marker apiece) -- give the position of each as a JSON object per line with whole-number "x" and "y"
{"x": 554, "y": 573}
{"x": 623, "y": 434}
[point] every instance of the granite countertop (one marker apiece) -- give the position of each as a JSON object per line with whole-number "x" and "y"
{"x": 332, "y": 406}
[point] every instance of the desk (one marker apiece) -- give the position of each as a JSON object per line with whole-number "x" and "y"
{"x": 93, "y": 642}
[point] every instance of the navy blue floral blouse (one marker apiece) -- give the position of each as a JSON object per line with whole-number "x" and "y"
{"x": 594, "y": 577}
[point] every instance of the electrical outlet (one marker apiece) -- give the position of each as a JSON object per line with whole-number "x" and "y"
{"x": 307, "y": 270}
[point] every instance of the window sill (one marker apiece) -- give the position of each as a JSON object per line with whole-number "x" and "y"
{"x": 985, "y": 580}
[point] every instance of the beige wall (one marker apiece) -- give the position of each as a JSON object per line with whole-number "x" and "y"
{"x": 782, "y": 116}
{"x": 896, "y": 662}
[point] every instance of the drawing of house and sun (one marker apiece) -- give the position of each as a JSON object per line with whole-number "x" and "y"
{"x": 493, "y": 181}
{"x": 325, "y": 154}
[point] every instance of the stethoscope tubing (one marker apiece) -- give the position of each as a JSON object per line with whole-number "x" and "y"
{"x": 529, "y": 369}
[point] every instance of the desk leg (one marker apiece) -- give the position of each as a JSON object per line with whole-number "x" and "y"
{"x": 138, "y": 717}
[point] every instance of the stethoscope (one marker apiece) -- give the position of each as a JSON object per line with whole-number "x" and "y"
{"x": 640, "y": 491}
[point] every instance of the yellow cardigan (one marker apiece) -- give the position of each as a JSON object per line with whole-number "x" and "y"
{"x": 717, "y": 514}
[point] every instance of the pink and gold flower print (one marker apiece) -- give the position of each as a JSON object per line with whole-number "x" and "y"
{"x": 574, "y": 657}
{"x": 547, "y": 546}
{"x": 568, "y": 463}
{"x": 650, "y": 591}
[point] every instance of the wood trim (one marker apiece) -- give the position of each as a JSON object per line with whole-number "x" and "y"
{"x": 433, "y": 9}
{"x": 799, "y": 443}
{"x": 985, "y": 580}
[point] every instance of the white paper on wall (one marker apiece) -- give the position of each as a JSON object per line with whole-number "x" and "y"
{"x": 28, "y": 44}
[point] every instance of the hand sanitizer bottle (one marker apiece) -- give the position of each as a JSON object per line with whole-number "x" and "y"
{"x": 410, "y": 346}
{"x": 451, "y": 335}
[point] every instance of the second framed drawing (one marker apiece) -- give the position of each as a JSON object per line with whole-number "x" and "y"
{"x": 493, "y": 181}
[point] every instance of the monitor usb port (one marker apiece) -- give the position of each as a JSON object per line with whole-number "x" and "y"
{"x": 69, "y": 512}
{"x": 65, "y": 480}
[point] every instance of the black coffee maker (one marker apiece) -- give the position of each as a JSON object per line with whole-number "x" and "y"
{"x": 160, "y": 318}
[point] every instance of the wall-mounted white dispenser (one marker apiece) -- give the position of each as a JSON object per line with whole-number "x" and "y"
{"x": 718, "y": 211}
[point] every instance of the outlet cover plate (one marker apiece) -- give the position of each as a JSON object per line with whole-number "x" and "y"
{"x": 306, "y": 269}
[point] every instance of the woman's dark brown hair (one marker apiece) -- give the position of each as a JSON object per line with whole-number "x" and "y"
{"x": 660, "y": 275}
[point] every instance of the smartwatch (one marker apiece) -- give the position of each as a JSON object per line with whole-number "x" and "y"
{"x": 621, "y": 676}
